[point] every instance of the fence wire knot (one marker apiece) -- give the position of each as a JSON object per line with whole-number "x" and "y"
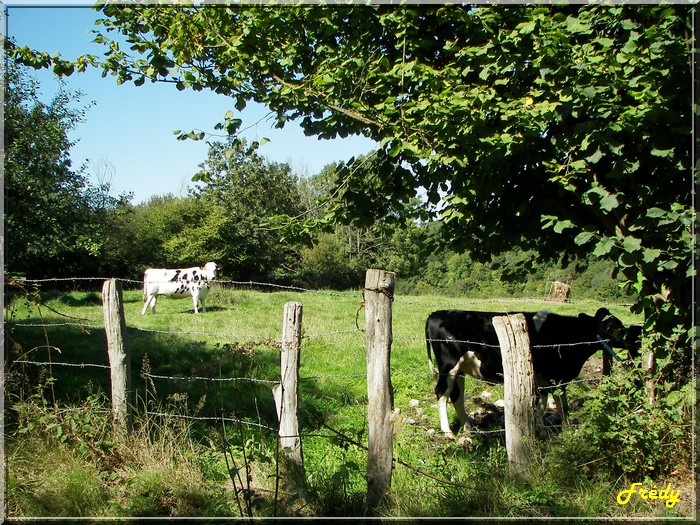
{"x": 382, "y": 291}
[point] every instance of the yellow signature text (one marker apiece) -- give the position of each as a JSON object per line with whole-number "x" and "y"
{"x": 671, "y": 496}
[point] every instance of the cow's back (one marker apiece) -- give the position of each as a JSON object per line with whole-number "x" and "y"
{"x": 562, "y": 346}
{"x": 470, "y": 331}
{"x": 162, "y": 281}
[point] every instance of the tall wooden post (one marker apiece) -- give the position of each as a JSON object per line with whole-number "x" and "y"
{"x": 119, "y": 356}
{"x": 379, "y": 293}
{"x": 519, "y": 389}
{"x": 287, "y": 393}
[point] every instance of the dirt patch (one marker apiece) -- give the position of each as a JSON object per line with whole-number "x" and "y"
{"x": 592, "y": 369}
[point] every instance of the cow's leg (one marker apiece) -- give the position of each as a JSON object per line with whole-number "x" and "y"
{"x": 195, "y": 300}
{"x": 460, "y": 406}
{"x": 452, "y": 377}
{"x": 562, "y": 406}
{"x": 150, "y": 299}
{"x": 444, "y": 420}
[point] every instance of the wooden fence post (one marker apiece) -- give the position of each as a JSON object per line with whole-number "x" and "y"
{"x": 287, "y": 392}
{"x": 119, "y": 356}
{"x": 519, "y": 389}
{"x": 379, "y": 293}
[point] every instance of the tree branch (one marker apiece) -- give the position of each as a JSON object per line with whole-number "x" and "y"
{"x": 352, "y": 114}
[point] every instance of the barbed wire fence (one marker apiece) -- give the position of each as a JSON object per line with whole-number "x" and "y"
{"x": 359, "y": 295}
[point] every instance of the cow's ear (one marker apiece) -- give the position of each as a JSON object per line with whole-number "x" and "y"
{"x": 602, "y": 313}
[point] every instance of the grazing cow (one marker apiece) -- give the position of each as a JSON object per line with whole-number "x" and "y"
{"x": 178, "y": 284}
{"x": 465, "y": 342}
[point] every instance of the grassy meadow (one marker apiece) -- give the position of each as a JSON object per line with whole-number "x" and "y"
{"x": 62, "y": 461}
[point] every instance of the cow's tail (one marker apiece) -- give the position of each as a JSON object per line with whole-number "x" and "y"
{"x": 430, "y": 357}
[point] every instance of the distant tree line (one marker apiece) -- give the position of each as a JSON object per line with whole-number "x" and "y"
{"x": 58, "y": 224}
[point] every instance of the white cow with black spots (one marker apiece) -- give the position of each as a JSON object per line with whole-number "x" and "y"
{"x": 178, "y": 284}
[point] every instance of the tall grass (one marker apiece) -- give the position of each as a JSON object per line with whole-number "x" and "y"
{"x": 185, "y": 467}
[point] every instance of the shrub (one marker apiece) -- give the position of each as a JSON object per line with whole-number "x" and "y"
{"x": 622, "y": 434}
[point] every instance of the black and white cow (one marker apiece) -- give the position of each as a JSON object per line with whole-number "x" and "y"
{"x": 178, "y": 283}
{"x": 465, "y": 342}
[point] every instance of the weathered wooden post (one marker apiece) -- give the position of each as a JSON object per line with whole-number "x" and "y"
{"x": 519, "y": 389}
{"x": 287, "y": 392}
{"x": 379, "y": 293}
{"x": 119, "y": 356}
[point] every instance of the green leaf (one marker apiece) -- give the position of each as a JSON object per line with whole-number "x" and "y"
{"x": 655, "y": 213}
{"x": 575, "y": 25}
{"x": 604, "y": 246}
{"x": 606, "y": 43}
{"x": 609, "y": 202}
{"x": 631, "y": 244}
{"x": 589, "y": 92}
{"x": 669, "y": 265}
{"x": 525, "y": 28}
{"x": 563, "y": 225}
{"x": 651, "y": 254}
{"x": 395, "y": 149}
{"x": 595, "y": 157}
{"x": 660, "y": 152}
{"x": 583, "y": 237}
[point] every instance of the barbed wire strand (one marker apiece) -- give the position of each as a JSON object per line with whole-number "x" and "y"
{"x": 275, "y": 382}
{"x": 207, "y": 334}
{"x": 212, "y": 379}
{"x": 310, "y": 336}
{"x": 212, "y": 418}
{"x": 350, "y": 295}
{"x": 58, "y": 363}
{"x": 49, "y": 325}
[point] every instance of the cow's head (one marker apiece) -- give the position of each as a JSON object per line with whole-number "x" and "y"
{"x": 610, "y": 327}
{"x": 211, "y": 268}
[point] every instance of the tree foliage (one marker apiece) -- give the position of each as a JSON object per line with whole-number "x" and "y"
{"x": 239, "y": 190}
{"x": 557, "y": 129}
{"x": 560, "y": 128}
{"x": 47, "y": 212}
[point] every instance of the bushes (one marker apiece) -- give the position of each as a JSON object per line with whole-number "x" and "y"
{"x": 621, "y": 434}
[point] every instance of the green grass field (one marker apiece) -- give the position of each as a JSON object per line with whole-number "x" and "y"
{"x": 182, "y": 467}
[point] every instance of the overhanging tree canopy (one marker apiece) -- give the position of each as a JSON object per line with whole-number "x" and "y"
{"x": 561, "y": 128}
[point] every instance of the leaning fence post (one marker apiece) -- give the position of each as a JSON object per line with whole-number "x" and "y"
{"x": 519, "y": 389}
{"x": 379, "y": 293}
{"x": 287, "y": 392}
{"x": 119, "y": 356}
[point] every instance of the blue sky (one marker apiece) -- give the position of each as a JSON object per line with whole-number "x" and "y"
{"x": 129, "y": 130}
